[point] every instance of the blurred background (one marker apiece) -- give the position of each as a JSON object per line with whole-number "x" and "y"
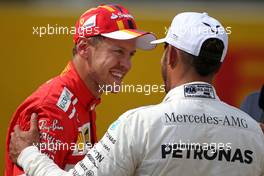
{"x": 28, "y": 60}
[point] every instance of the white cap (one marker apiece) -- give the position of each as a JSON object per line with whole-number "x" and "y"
{"x": 143, "y": 39}
{"x": 189, "y": 30}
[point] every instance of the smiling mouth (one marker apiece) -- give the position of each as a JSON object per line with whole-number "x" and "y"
{"x": 117, "y": 75}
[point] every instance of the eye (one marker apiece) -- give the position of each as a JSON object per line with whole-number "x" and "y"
{"x": 132, "y": 53}
{"x": 119, "y": 51}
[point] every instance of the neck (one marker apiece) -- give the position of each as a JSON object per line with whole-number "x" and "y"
{"x": 82, "y": 71}
{"x": 186, "y": 77}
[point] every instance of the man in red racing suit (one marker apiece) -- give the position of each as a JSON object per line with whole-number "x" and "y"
{"x": 66, "y": 117}
{"x": 105, "y": 40}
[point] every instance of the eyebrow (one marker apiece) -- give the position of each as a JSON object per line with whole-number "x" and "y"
{"x": 122, "y": 48}
{"x": 117, "y": 47}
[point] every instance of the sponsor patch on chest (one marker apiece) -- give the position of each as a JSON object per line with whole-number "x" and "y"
{"x": 65, "y": 99}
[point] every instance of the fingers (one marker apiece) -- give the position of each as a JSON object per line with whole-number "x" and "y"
{"x": 33, "y": 123}
{"x": 12, "y": 136}
{"x": 17, "y": 129}
{"x": 22, "y": 139}
{"x": 12, "y": 153}
{"x": 11, "y": 140}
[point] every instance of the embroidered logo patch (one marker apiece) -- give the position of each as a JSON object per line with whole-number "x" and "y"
{"x": 199, "y": 90}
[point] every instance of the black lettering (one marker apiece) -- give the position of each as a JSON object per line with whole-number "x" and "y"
{"x": 190, "y": 117}
{"x": 225, "y": 153}
{"x": 215, "y": 120}
{"x": 188, "y": 152}
{"x": 208, "y": 157}
{"x": 212, "y": 146}
{"x": 198, "y": 152}
{"x": 111, "y": 139}
{"x": 83, "y": 166}
{"x": 244, "y": 123}
{"x": 209, "y": 119}
{"x": 238, "y": 156}
{"x": 221, "y": 146}
{"x": 248, "y": 156}
{"x": 176, "y": 149}
{"x": 185, "y": 116}
{"x": 165, "y": 149}
{"x": 179, "y": 118}
{"x": 90, "y": 157}
{"x": 203, "y": 118}
{"x": 98, "y": 156}
{"x": 235, "y": 121}
{"x": 104, "y": 145}
{"x": 226, "y": 121}
{"x": 196, "y": 146}
{"x": 183, "y": 146}
{"x": 170, "y": 119}
{"x": 75, "y": 173}
{"x": 205, "y": 146}
{"x": 196, "y": 119}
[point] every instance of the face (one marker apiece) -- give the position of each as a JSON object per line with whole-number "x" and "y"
{"x": 164, "y": 67}
{"x": 111, "y": 61}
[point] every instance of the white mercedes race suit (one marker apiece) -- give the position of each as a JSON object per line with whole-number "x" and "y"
{"x": 190, "y": 133}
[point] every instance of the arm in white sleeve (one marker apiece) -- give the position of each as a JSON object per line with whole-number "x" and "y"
{"x": 114, "y": 155}
{"x": 35, "y": 163}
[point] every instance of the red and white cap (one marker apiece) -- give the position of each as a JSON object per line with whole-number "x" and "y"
{"x": 112, "y": 21}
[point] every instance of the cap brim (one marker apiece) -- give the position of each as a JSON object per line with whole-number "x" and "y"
{"x": 143, "y": 38}
{"x": 158, "y": 41}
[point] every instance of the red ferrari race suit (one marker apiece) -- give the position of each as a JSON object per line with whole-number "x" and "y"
{"x": 66, "y": 118}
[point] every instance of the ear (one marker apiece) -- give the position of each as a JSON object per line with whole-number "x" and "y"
{"x": 83, "y": 48}
{"x": 172, "y": 56}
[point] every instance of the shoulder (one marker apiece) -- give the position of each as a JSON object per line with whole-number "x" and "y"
{"x": 45, "y": 91}
{"x": 253, "y": 95}
{"x": 234, "y": 110}
{"x": 141, "y": 116}
{"x": 50, "y": 98}
{"x": 143, "y": 110}
{"x": 56, "y": 96}
{"x": 251, "y": 98}
{"x": 238, "y": 113}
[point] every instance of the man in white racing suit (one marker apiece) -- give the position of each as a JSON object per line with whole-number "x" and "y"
{"x": 191, "y": 132}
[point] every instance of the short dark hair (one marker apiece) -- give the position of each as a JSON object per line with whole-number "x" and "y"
{"x": 209, "y": 59}
{"x": 93, "y": 41}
